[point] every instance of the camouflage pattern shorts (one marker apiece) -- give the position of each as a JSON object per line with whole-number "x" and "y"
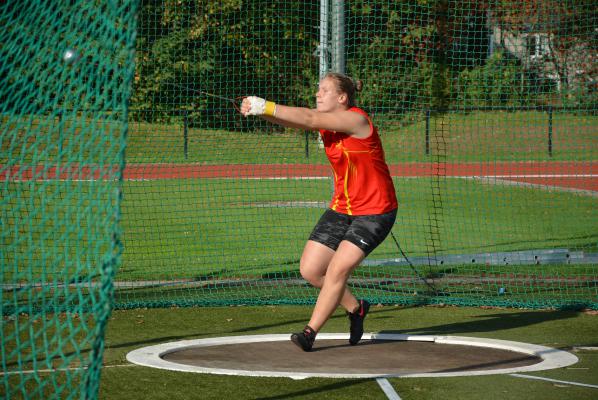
{"x": 364, "y": 231}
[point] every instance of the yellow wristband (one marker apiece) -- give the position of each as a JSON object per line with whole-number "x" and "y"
{"x": 270, "y": 108}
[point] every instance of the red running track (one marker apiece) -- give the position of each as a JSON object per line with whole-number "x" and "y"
{"x": 576, "y": 175}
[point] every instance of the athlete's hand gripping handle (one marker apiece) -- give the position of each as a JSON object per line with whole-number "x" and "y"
{"x": 253, "y": 105}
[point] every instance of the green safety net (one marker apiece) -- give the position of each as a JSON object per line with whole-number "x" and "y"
{"x": 66, "y": 70}
{"x": 486, "y": 109}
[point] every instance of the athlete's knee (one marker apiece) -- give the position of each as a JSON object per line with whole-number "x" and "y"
{"x": 314, "y": 262}
{"x": 345, "y": 260}
{"x": 311, "y": 273}
{"x": 339, "y": 272}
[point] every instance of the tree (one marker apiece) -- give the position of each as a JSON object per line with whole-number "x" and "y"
{"x": 227, "y": 47}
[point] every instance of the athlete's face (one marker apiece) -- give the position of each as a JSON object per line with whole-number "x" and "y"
{"x": 328, "y": 97}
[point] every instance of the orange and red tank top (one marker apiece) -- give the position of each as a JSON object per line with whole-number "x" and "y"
{"x": 362, "y": 181}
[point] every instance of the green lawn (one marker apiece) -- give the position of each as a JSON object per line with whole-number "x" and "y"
{"x": 485, "y": 136}
{"x": 230, "y": 231}
{"x": 477, "y": 136}
{"x": 128, "y": 330}
{"x": 191, "y": 227}
{"x": 226, "y": 232}
{"x": 497, "y": 136}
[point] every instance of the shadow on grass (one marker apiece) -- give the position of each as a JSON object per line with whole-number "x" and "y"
{"x": 252, "y": 328}
{"x": 320, "y": 389}
{"x": 492, "y": 323}
{"x": 481, "y": 323}
{"x": 302, "y": 322}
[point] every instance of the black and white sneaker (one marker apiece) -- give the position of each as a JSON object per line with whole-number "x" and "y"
{"x": 356, "y": 319}
{"x": 304, "y": 339}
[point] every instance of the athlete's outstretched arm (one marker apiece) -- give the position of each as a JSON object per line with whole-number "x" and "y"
{"x": 305, "y": 118}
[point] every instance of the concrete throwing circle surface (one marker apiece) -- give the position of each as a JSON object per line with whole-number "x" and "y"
{"x": 377, "y": 355}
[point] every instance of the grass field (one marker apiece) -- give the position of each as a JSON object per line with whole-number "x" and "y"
{"x": 477, "y": 136}
{"x": 132, "y": 329}
{"x": 488, "y": 136}
{"x": 129, "y": 330}
{"x": 195, "y": 225}
{"x": 184, "y": 228}
{"x": 195, "y": 228}
{"x": 181, "y": 247}
{"x": 195, "y": 240}
{"x": 574, "y": 331}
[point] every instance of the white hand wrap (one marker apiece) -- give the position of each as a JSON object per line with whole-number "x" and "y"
{"x": 260, "y": 106}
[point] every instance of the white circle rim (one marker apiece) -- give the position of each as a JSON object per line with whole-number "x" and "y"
{"x": 151, "y": 356}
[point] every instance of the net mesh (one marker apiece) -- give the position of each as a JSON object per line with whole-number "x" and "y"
{"x": 65, "y": 76}
{"x": 487, "y": 112}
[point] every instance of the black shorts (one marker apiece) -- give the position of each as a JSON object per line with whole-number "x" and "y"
{"x": 364, "y": 231}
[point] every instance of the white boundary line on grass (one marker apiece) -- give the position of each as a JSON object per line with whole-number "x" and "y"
{"x": 387, "y": 388}
{"x": 46, "y": 371}
{"x": 151, "y": 356}
{"x": 554, "y": 380}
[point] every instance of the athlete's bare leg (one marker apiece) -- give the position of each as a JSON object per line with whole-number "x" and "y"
{"x": 334, "y": 288}
{"x": 314, "y": 264}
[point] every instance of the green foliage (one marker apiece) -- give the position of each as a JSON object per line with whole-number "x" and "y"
{"x": 230, "y": 48}
{"x": 411, "y": 55}
{"x": 497, "y": 83}
{"x": 236, "y": 48}
{"x": 393, "y": 55}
